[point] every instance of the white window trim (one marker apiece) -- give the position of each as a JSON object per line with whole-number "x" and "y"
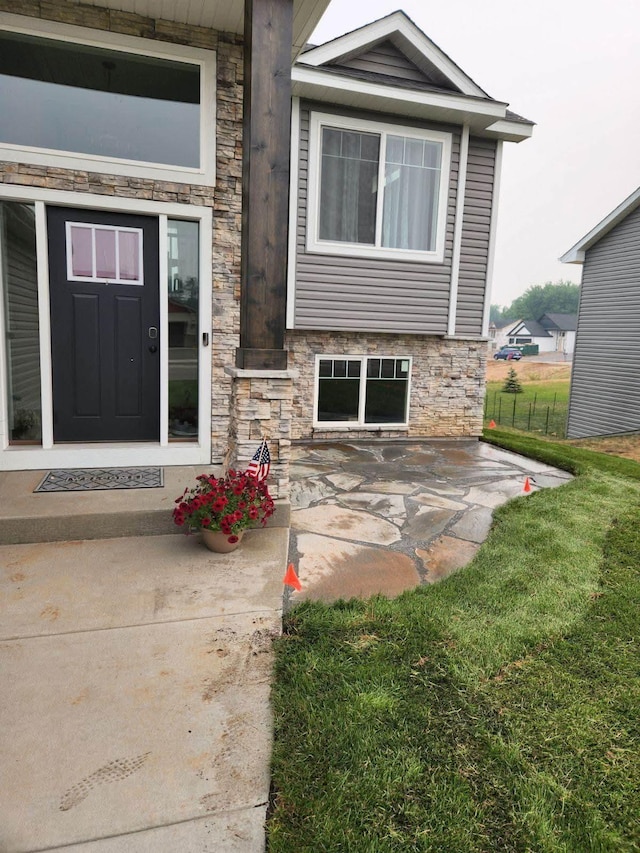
{"x": 161, "y": 452}
{"x": 93, "y": 278}
{"x": 329, "y": 247}
{"x": 360, "y": 423}
{"x": 205, "y": 59}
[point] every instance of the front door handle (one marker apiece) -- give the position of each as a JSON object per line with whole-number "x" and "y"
{"x": 153, "y": 348}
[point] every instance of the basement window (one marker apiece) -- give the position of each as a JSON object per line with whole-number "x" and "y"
{"x": 362, "y": 391}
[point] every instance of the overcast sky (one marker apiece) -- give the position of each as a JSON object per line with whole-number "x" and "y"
{"x": 573, "y": 67}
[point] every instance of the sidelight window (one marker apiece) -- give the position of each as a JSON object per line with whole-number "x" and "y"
{"x": 183, "y": 313}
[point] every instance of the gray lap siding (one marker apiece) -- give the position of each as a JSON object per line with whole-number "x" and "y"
{"x": 605, "y": 383}
{"x": 364, "y": 294}
{"x": 476, "y": 227}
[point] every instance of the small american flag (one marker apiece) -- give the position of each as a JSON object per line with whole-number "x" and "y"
{"x": 260, "y": 463}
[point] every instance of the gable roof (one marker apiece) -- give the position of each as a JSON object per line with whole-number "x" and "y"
{"x": 576, "y": 253}
{"x": 404, "y": 35}
{"x": 393, "y": 63}
{"x": 559, "y": 322}
{"x": 533, "y": 327}
{"x": 425, "y": 82}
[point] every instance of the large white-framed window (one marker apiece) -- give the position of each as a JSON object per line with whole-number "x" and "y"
{"x": 361, "y": 391}
{"x": 93, "y": 100}
{"x": 377, "y": 190}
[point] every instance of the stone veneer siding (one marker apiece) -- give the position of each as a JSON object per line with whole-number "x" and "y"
{"x": 261, "y": 407}
{"x": 225, "y": 198}
{"x": 447, "y": 381}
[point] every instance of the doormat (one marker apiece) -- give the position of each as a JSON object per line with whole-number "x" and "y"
{"x": 90, "y": 479}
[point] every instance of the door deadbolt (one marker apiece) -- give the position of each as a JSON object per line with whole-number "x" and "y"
{"x": 153, "y": 332}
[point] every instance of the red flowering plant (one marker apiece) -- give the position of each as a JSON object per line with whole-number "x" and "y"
{"x": 229, "y": 504}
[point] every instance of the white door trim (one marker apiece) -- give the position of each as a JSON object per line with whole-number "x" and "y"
{"x": 24, "y": 457}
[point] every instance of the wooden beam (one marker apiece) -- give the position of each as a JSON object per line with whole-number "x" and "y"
{"x": 265, "y": 195}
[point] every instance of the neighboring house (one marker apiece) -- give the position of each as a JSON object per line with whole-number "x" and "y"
{"x": 605, "y": 389}
{"x": 562, "y": 328}
{"x": 499, "y": 335}
{"x": 551, "y": 333}
{"x": 179, "y": 281}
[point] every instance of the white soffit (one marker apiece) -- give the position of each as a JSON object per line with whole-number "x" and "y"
{"x": 223, "y": 15}
{"x": 407, "y": 36}
{"x": 576, "y": 253}
{"x": 483, "y": 116}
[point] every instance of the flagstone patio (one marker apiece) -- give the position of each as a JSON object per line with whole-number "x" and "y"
{"x": 387, "y": 516}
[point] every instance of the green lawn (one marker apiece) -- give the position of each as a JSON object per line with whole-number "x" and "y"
{"x": 542, "y": 407}
{"x": 497, "y": 710}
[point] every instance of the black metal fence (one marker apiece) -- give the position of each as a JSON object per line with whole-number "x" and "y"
{"x": 527, "y": 413}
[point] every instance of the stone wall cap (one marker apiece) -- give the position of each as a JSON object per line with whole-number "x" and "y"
{"x": 241, "y": 373}
{"x": 474, "y": 338}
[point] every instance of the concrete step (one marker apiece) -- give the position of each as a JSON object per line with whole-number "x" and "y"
{"x": 27, "y": 517}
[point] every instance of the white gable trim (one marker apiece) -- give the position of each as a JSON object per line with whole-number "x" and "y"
{"x": 519, "y": 327}
{"x": 576, "y": 254}
{"x": 473, "y": 106}
{"x": 457, "y": 232}
{"x": 401, "y": 27}
{"x": 509, "y": 130}
{"x": 493, "y": 229}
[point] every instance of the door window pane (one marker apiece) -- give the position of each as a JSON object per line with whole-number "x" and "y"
{"x": 100, "y": 253}
{"x": 129, "y": 255}
{"x": 18, "y": 273}
{"x": 82, "y": 99}
{"x": 105, "y": 252}
{"x": 184, "y": 333}
{"x": 82, "y": 251}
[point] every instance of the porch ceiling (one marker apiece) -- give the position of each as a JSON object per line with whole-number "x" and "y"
{"x": 223, "y": 15}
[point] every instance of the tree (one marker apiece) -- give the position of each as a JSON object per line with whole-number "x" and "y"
{"x": 497, "y": 315}
{"x": 560, "y": 297}
{"x": 512, "y": 383}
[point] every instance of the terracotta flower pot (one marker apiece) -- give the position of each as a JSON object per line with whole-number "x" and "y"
{"x": 217, "y": 541}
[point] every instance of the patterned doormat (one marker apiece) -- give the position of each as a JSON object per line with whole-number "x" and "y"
{"x": 89, "y": 479}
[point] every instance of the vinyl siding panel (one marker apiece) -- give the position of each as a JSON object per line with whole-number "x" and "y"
{"x": 605, "y": 382}
{"x": 386, "y": 58}
{"x": 338, "y": 292}
{"x": 476, "y": 226}
{"x": 21, "y": 306}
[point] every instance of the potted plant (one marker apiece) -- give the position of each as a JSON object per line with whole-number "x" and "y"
{"x": 223, "y": 507}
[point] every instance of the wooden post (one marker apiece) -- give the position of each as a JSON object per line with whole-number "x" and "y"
{"x": 265, "y": 181}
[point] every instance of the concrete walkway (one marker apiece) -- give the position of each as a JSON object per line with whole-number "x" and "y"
{"x": 134, "y": 694}
{"x": 387, "y": 516}
{"x": 135, "y": 672}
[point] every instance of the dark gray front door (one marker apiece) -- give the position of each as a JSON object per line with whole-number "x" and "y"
{"x": 104, "y": 294}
